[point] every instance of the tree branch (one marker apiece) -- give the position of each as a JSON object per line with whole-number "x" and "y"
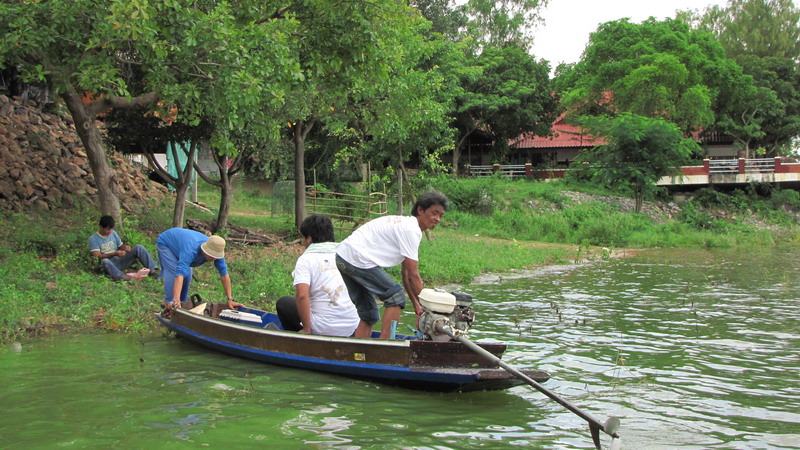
{"x": 278, "y": 14}
{"x": 104, "y": 104}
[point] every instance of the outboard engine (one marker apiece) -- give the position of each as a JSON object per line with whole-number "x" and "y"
{"x": 449, "y": 310}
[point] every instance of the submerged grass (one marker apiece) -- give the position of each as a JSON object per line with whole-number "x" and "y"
{"x": 49, "y": 282}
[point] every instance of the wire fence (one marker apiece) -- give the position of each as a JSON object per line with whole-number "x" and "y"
{"x": 347, "y": 211}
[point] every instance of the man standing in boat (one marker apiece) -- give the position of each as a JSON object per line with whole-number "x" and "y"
{"x": 322, "y": 304}
{"x": 386, "y": 242}
{"x": 179, "y": 250}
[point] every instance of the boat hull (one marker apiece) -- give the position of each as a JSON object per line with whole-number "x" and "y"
{"x": 410, "y": 363}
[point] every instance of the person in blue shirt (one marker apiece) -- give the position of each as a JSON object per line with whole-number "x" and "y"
{"x": 114, "y": 257}
{"x": 179, "y": 250}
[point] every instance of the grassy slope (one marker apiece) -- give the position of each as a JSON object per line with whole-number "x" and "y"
{"x": 47, "y": 279}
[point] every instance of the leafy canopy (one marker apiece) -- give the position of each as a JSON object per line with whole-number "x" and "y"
{"x": 659, "y": 69}
{"x": 761, "y": 28}
{"x": 638, "y": 152}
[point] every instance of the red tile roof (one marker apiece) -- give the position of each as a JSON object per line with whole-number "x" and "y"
{"x": 564, "y": 135}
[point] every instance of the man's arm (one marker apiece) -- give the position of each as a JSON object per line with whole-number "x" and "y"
{"x": 177, "y": 286}
{"x": 98, "y": 255}
{"x": 226, "y": 286}
{"x": 304, "y": 306}
{"x": 412, "y": 282}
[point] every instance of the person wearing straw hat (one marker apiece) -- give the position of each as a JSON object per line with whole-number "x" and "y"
{"x": 179, "y": 250}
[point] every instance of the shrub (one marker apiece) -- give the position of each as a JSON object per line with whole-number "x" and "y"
{"x": 472, "y": 195}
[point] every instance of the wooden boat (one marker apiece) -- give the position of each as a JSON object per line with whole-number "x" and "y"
{"x": 406, "y": 361}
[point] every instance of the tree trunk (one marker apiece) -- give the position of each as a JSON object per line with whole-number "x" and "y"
{"x": 180, "y": 205}
{"x": 300, "y": 131}
{"x": 95, "y": 152}
{"x": 456, "y": 156}
{"x": 457, "y": 151}
{"x": 399, "y": 182}
{"x": 224, "y": 205}
{"x": 638, "y": 192}
{"x": 226, "y": 193}
{"x": 299, "y": 175}
{"x": 182, "y": 186}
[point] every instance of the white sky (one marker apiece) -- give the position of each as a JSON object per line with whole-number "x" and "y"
{"x": 567, "y": 23}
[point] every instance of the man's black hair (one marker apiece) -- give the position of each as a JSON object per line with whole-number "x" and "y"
{"x": 428, "y": 199}
{"x": 107, "y": 222}
{"x": 319, "y": 228}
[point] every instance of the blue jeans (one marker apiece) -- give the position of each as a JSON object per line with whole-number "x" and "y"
{"x": 169, "y": 269}
{"x": 116, "y": 265}
{"x": 364, "y": 285}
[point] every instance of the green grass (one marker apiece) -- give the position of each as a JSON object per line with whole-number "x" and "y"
{"x": 48, "y": 281}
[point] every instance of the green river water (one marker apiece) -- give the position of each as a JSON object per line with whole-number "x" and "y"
{"x": 693, "y": 349}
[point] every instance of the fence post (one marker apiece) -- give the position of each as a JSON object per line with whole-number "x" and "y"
{"x": 495, "y": 168}
{"x": 741, "y": 165}
{"x": 469, "y": 170}
{"x": 528, "y": 169}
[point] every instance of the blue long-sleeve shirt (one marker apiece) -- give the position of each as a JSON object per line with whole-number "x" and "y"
{"x": 185, "y": 245}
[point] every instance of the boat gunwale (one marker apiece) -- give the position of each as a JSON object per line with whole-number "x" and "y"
{"x": 295, "y": 335}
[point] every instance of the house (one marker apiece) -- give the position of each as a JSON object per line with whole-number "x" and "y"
{"x": 563, "y": 146}
{"x": 569, "y": 140}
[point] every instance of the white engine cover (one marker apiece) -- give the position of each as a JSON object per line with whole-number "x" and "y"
{"x": 437, "y": 301}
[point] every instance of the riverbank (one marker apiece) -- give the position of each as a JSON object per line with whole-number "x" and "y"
{"x": 49, "y": 283}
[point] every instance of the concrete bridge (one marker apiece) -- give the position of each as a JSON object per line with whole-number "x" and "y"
{"x": 718, "y": 172}
{"x": 732, "y": 172}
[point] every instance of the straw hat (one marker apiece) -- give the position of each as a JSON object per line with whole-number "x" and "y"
{"x": 214, "y": 247}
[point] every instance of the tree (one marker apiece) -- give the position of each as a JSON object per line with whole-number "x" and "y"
{"x": 206, "y": 60}
{"x": 137, "y": 131}
{"x": 496, "y": 23}
{"x": 660, "y": 69}
{"x": 764, "y": 38}
{"x": 505, "y": 92}
{"x": 347, "y": 54}
{"x": 447, "y": 18}
{"x": 638, "y": 152}
{"x": 781, "y": 119}
{"x": 762, "y": 28}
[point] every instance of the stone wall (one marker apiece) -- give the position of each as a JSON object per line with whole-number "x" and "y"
{"x": 43, "y": 163}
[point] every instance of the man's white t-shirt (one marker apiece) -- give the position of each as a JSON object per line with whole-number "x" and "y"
{"x": 332, "y": 312}
{"x": 382, "y": 242}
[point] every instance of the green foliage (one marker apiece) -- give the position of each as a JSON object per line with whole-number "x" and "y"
{"x": 660, "y": 69}
{"x": 638, "y": 151}
{"x": 775, "y": 206}
{"x": 785, "y": 198}
{"x": 776, "y": 102}
{"x": 761, "y": 28}
{"x": 695, "y": 217}
{"x": 506, "y": 91}
{"x": 470, "y": 195}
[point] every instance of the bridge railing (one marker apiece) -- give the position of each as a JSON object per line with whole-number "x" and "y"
{"x": 723, "y": 166}
{"x": 709, "y": 168}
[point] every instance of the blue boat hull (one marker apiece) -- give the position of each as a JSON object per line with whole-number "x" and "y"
{"x": 406, "y": 362}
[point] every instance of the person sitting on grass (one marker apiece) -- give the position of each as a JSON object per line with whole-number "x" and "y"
{"x": 114, "y": 257}
{"x": 322, "y": 304}
{"x": 179, "y": 250}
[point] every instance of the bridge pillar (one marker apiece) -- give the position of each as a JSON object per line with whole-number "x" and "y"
{"x": 779, "y": 165}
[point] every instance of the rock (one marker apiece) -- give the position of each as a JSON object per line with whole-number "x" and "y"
{"x": 43, "y": 163}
